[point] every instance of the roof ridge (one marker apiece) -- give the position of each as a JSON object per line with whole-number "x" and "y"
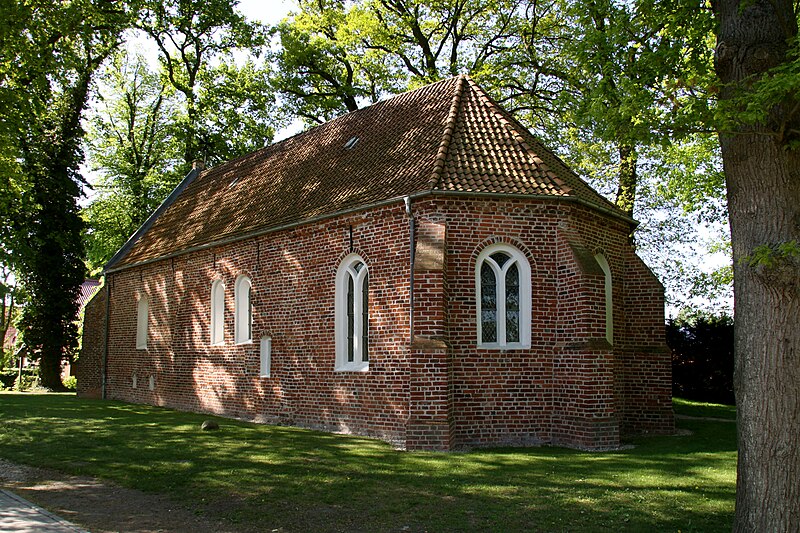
{"x": 512, "y": 126}
{"x": 447, "y": 135}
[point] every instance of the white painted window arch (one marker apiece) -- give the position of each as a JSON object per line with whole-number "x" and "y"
{"x": 217, "y": 329}
{"x": 243, "y": 310}
{"x": 352, "y": 314}
{"x": 142, "y": 318}
{"x": 608, "y": 289}
{"x": 503, "y": 293}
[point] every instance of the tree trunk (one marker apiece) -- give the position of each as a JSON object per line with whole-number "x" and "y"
{"x": 626, "y": 190}
{"x": 50, "y": 370}
{"x": 763, "y": 180}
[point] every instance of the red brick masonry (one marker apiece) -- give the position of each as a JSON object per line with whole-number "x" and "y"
{"x": 441, "y": 392}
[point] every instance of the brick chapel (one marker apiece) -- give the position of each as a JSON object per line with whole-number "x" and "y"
{"x": 422, "y": 271}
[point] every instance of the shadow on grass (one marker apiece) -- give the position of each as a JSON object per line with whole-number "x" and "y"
{"x": 300, "y": 480}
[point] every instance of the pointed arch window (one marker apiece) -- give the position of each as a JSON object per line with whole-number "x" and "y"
{"x": 217, "y": 312}
{"x": 352, "y": 315}
{"x": 609, "y": 304}
{"x": 503, "y": 285}
{"x": 243, "y": 324}
{"x": 142, "y": 312}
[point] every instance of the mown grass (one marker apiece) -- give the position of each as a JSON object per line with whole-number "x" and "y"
{"x": 267, "y": 477}
{"x": 702, "y": 409}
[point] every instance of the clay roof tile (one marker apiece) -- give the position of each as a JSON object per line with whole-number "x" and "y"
{"x": 448, "y": 136}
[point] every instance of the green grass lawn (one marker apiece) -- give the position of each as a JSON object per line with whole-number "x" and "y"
{"x": 699, "y": 409}
{"x": 280, "y": 477}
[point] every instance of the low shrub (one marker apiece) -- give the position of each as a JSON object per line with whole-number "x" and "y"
{"x": 71, "y": 383}
{"x": 28, "y": 379}
{"x": 7, "y": 378}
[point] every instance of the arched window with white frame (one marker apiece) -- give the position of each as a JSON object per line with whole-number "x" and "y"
{"x": 142, "y": 312}
{"x": 352, "y": 315}
{"x": 243, "y": 310}
{"x": 503, "y": 286}
{"x": 609, "y": 304}
{"x": 217, "y": 312}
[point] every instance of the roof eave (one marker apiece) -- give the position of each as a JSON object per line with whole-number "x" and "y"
{"x": 420, "y": 194}
{"x": 122, "y": 252}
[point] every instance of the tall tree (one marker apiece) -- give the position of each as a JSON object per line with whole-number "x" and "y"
{"x": 321, "y": 71}
{"x": 337, "y": 56}
{"x": 197, "y": 40}
{"x": 618, "y": 77}
{"x": 132, "y": 146}
{"x": 758, "y": 63}
{"x": 52, "y": 52}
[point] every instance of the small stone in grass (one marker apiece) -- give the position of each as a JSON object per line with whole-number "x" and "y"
{"x": 209, "y": 425}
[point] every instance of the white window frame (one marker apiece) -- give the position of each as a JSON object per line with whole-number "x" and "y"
{"x": 217, "y": 324}
{"x": 265, "y": 354}
{"x": 608, "y": 286}
{"x": 243, "y": 311}
{"x": 344, "y": 273}
{"x": 142, "y": 319}
{"x": 518, "y": 258}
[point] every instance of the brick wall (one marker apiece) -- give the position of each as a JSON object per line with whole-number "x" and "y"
{"x": 292, "y": 274}
{"x": 570, "y": 387}
{"x": 89, "y": 366}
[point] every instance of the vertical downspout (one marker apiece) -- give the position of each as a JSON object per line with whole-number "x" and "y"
{"x": 105, "y": 338}
{"x": 412, "y": 231}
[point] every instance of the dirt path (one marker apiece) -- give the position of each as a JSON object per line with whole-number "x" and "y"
{"x": 101, "y": 506}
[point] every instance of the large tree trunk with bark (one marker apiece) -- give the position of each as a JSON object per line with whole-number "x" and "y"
{"x": 763, "y": 179}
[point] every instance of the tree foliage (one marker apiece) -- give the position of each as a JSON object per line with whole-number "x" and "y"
{"x": 225, "y": 107}
{"x": 50, "y": 54}
{"x": 702, "y": 357}
{"x": 133, "y": 147}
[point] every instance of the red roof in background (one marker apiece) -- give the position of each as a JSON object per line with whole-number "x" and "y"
{"x": 448, "y": 137}
{"x": 88, "y": 288}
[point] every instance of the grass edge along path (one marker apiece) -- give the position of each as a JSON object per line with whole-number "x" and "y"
{"x": 270, "y": 477}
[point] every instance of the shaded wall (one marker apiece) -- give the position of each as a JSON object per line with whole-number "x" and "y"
{"x": 89, "y": 366}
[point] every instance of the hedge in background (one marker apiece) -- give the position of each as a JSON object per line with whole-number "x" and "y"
{"x": 702, "y": 357}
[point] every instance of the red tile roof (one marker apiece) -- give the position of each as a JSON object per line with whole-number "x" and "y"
{"x": 448, "y": 137}
{"x": 87, "y": 290}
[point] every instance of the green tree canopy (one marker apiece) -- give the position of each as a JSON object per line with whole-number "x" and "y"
{"x": 51, "y": 51}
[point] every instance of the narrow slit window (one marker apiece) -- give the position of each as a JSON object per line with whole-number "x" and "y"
{"x": 266, "y": 357}
{"x": 608, "y": 290}
{"x": 142, "y": 319}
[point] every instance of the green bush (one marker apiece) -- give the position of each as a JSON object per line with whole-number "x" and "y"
{"x": 9, "y": 378}
{"x": 702, "y": 357}
{"x": 71, "y": 383}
